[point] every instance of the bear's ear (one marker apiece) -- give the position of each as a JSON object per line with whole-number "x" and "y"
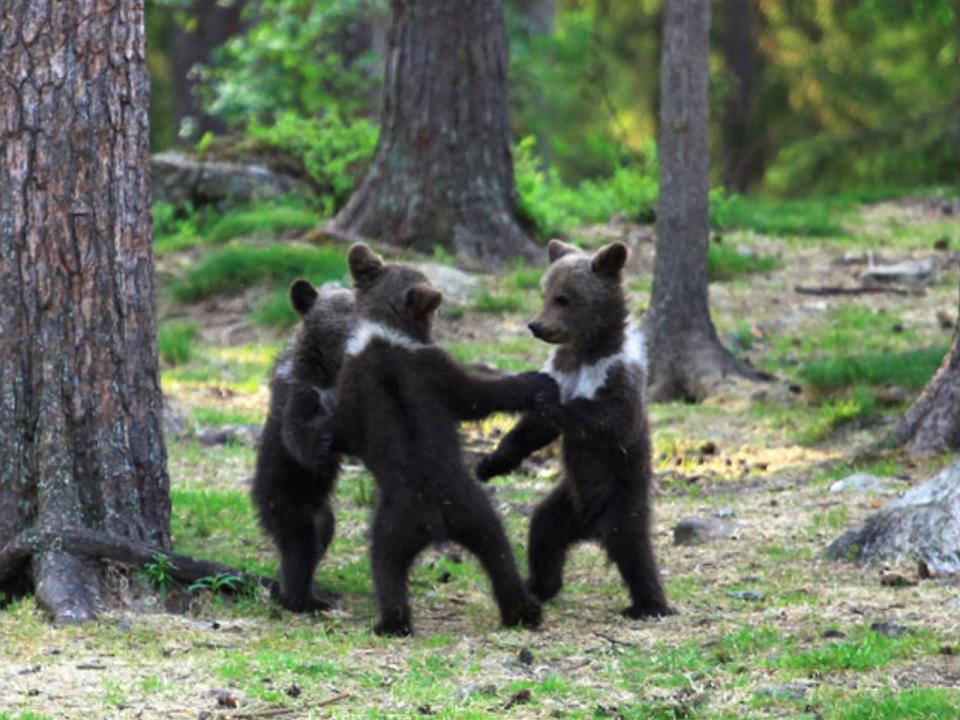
{"x": 556, "y": 249}
{"x": 423, "y": 299}
{"x": 609, "y": 260}
{"x": 302, "y": 296}
{"x": 365, "y": 265}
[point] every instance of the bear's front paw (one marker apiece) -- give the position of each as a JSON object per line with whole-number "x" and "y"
{"x": 528, "y": 613}
{"x": 488, "y": 466}
{"x": 640, "y": 612}
{"x": 393, "y": 628}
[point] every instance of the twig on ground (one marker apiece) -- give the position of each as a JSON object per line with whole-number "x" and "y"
{"x": 828, "y": 290}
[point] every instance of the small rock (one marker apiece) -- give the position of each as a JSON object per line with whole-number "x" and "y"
{"x": 908, "y": 272}
{"x": 948, "y": 650}
{"x": 946, "y": 207}
{"x": 897, "y": 328}
{"x": 426, "y": 710}
{"x": 225, "y": 698}
{"x": 853, "y": 258}
{"x": 783, "y": 692}
{"x": 444, "y": 577}
{"x": 525, "y": 657}
{"x": 864, "y": 483}
{"x": 521, "y": 697}
{"x": 942, "y": 243}
{"x": 747, "y": 595}
{"x": 750, "y": 578}
{"x": 174, "y": 421}
{"x": 890, "y": 629}
{"x": 832, "y": 634}
{"x": 708, "y": 448}
{"x": 698, "y": 530}
{"x": 245, "y": 434}
{"x": 724, "y": 512}
{"x": 953, "y": 603}
{"x": 945, "y": 320}
{"x": 455, "y": 284}
{"x": 293, "y": 691}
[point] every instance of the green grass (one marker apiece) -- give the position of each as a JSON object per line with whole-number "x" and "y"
{"x": 910, "y": 369}
{"x": 275, "y": 311}
{"x": 725, "y": 262}
{"x": 812, "y": 217}
{"x": 867, "y": 651}
{"x": 500, "y": 302}
{"x": 236, "y": 368}
{"x": 261, "y": 220}
{"x": 523, "y": 278}
{"x": 175, "y": 340}
{"x": 912, "y": 704}
{"x": 237, "y": 267}
{"x": 226, "y": 416}
{"x": 514, "y": 355}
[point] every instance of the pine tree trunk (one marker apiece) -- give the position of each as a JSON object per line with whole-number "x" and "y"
{"x": 442, "y": 175}
{"x": 744, "y": 144}
{"x": 932, "y": 424}
{"x": 686, "y": 357}
{"x": 80, "y": 414}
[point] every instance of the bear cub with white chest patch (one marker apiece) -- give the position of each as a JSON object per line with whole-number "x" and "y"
{"x": 401, "y": 399}
{"x": 600, "y": 366}
{"x": 291, "y": 488}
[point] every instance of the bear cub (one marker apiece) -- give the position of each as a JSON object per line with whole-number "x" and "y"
{"x": 291, "y": 485}
{"x": 400, "y": 402}
{"x": 600, "y": 367}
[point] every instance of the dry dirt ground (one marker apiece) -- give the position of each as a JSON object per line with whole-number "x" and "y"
{"x": 766, "y": 628}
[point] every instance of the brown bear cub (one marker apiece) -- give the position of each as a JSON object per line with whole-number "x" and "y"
{"x": 600, "y": 366}
{"x": 291, "y": 486}
{"x": 400, "y": 402}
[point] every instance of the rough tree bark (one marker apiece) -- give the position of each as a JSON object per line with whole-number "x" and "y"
{"x": 442, "y": 174}
{"x": 686, "y": 357}
{"x": 744, "y": 144}
{"x": 932, "y": 424}
{"x": 82, "y": 459}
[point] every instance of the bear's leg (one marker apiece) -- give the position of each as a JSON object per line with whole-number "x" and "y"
{"x": 553, "y": 529}
{"x": 298, "y": 543}
{"x": 325, "y": 524}
{"x": 398, "y": 537}
{"x": 627, "y": 542}
{"x": 472, "y": 522}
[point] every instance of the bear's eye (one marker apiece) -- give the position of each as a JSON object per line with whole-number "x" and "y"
{"x": 562, "y": 300}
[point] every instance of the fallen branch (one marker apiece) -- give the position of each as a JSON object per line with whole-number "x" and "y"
{"x": 872, "y": 290}
{"x": 104, "y": 546}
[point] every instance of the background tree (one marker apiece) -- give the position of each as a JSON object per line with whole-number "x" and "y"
{"x": 932, "y": 424}
{"x": 686, "y": 357}
{"x": 442, "y": 175}
{"x": 82, "y": 458}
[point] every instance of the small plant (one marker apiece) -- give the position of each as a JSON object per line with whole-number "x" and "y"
{"x": 175, "y": 341}
{"x": 224, "y": 582}
{"x": 500, "y": 302}
{"x": 729, "y": 263}
{"x": 159, "y": 573}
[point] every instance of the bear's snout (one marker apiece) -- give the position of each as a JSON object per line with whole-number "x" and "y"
{"x": 536, "y": 328}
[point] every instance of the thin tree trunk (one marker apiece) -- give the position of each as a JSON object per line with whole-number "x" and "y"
{"x": 212, "y": 23}
{"x": 80, "y": 414}
{"x": 686, "y": 357}
{"x": 443, "y": 171}
{"x": 932, "y": 424}
{"x": 744, "y": 144}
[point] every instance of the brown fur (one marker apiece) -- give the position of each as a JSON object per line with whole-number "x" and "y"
{"x": 291, "y": 490}
{"x": 401, "y": 400}
{"x": 604, "y": 492}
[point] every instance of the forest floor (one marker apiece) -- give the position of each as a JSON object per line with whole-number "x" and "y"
{"x": 766, "y": 627}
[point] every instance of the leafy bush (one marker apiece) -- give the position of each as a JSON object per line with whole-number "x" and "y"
{"x": 175, "y": 340}
{"x": 237, "y": 267}
{"x": 268, "y": 219}
{"x": 556, "y": 208}
{"x": 334, "y": 152}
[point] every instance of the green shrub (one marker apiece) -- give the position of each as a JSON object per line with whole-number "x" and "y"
{"x": 269, "y": 219}
{"x": 175, "y": 340}
{"x": 810, "y": 217}
{"x": 728, "y": 263}
{"x": 274, "y": 311}
{"x": 911, "y": 369}
{"x": 500, "y": 302}
{"x": 237, "y": 267}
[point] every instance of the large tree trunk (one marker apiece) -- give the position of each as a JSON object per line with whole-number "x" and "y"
{"x": 932, "y": 424}
{"x": 80, "y": 432}
{"x": 210, "y": 23}
{"x": 443, "y": 171}
{"x": 686, "y": 357}
{"x": 744, "y": 144}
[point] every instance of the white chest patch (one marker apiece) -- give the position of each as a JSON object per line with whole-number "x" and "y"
{"x": 586, "y": 381}
{"x": 366, "y": 332}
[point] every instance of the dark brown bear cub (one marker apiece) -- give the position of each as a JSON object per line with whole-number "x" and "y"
{"x": 600, "y": 366}
{"x": 291, "y": 489}
{"x": 401, "y": 399}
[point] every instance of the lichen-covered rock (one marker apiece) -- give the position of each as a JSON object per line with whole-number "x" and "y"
{"x": 182, "y": 179}
{"x": 698, "y": 530}
{"x": 922, "y": 525}
{"x": 865, "y": 483}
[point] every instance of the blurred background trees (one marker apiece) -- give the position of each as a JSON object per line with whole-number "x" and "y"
{"x": 807, "y": 96}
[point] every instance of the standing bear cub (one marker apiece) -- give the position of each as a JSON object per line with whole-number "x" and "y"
{"x": 401, "y": 399}
{"x": 291, "y": 485}
{"x": 600, "y": 366}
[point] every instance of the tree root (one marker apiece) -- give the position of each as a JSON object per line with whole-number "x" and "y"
{"x": 63, "y": 576}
